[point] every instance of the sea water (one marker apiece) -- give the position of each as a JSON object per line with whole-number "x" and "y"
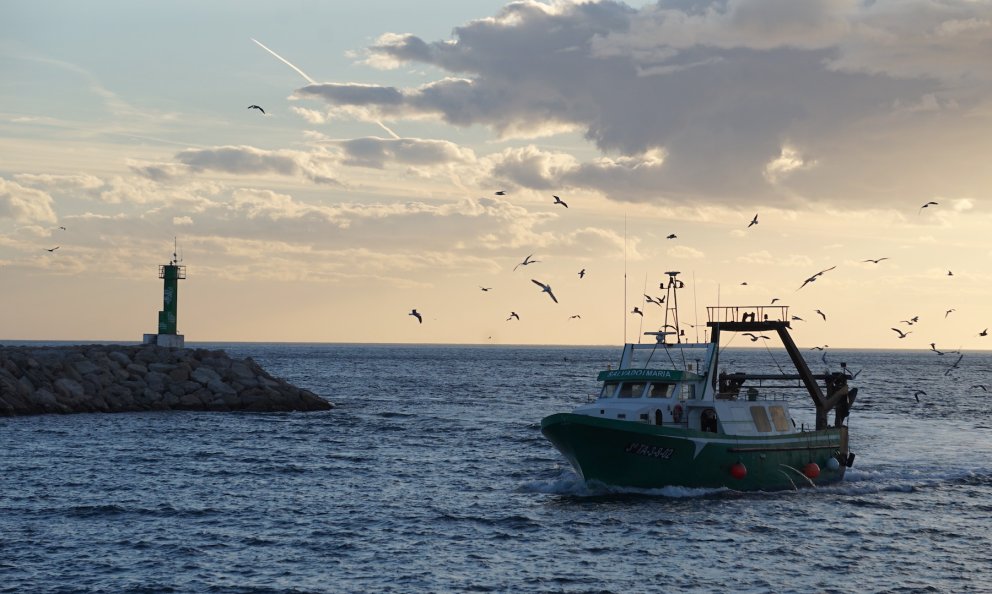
{"x": 431, "y": 475}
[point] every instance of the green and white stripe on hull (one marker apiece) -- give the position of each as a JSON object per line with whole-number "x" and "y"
{"x": 640, "y": 455}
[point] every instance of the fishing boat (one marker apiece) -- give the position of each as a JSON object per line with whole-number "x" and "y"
{"x": 666, "y": 417}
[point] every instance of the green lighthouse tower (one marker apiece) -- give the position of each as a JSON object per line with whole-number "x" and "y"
{"x": 171, "y": 274}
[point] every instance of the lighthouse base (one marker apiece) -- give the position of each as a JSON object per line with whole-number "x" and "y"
{"x": 171, "y": 341}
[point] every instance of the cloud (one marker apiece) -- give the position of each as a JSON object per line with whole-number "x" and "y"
{"x": 376, "y": 152}
{"x": 247, "y": 160}
{"x": 182, "y": 220}
{"x": 25, "y": 205}
{"x": 744, "y": 100}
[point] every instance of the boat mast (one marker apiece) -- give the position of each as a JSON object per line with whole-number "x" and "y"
{"x": 672, "y": 306}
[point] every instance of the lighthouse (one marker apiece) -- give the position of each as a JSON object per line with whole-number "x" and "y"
{"x": 170, "y": 274}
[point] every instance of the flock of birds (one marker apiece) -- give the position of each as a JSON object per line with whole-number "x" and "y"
{"x": 546, "y": 288}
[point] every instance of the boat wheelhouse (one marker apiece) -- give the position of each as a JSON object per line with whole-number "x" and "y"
{"x": 666, "y": 417}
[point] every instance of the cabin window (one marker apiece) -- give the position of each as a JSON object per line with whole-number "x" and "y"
{"x": 660, "y": 390}
{"x": 608, "y": 390}
{"x": 779, "y": 419}
{"x": 688, "y": 392}
{"x": 631, "y": 390}
{"x": 760, "y": 419}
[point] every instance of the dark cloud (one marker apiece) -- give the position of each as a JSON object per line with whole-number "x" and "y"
{"x": 720, "y": 88}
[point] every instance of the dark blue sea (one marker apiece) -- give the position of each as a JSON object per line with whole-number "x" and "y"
{"x": 431, "y": 475}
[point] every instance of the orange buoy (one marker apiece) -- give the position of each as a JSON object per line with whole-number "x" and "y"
{"x": 811, "y": 470}
{"x": 738, "y": 471}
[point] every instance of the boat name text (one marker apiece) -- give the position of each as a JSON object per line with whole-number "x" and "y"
{"x": 651, "y": 451}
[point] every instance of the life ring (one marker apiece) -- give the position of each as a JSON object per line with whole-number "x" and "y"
{"x": 677, "y": 413}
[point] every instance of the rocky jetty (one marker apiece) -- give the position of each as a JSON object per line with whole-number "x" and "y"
{"x": 118, "y": 378}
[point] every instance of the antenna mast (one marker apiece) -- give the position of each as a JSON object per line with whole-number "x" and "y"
{"x": 672, "y": 305}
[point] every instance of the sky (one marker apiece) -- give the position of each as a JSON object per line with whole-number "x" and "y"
{"x": 368, "y": 187}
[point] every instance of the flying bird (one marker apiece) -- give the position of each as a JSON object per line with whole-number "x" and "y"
{"x": 546, "y": 289}
{"x": 513, "y": 314}
{"x": 874, "y": 261}
{"x": 754, "y": 221}
{"x": 948, "y": 312}
{"x": 815, "y": 276}
{"x": 672, "y": 236}
{"x": 744, "y": 284}
{"x": 637, "y": 311}
{"x": 901, "y": 333}
{"x": 582, "y": 273}
{"x": 982, "y": 386}
{"x": 774, "y": 300}
{"x": 501, "y": 193}
{"x": 931, "y": 203}
{"x": 949, "y": 273}
{"x": 486, "y": 289}
{"x": 933, "y": 347}
{"x": 982, "y": 333}
{"x": 797, "y": 319}
{"x": 576, "y": 316}
{"x": 917, "y": 393}
{"x": 754, "y": 338}
{"x": 62, "y": 228}
{"x": 954, "y": 366}
{"x": 527, "y": 261}
{"x": 657, "y": 301}
{"x": 559, "y": 201}
{"x": 819, "y": 348}
{"x": 417, "y": 315}
{"x": 53, "y": 249}
{"x": 256, "y": 107}
{"x": 822, "y": 314}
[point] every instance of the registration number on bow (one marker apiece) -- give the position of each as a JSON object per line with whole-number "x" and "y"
{"x": 650, "y": 451}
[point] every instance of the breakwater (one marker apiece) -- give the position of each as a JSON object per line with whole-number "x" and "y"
{"x": 121, "y": 378}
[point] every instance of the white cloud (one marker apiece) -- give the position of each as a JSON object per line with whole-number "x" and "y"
{"x": 182, "y": 220}
{"x": 25, "y": 205}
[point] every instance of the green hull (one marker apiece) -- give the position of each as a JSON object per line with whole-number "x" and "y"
{"x": 629, "y": 454}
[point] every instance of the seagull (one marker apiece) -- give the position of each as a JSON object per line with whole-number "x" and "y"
{"x": 582, "y": 273}
{"x": 637, "y": 311}
{"x": 501, "y": 193}
{"x": 819, "y": 348}
{"x": 917, "y": 393}
{"x": 417, "y": 315}
{"x": 933, "y": 347}
{"x": 62, "y": 228}
{"x": 53, "y": 249}
{"x": 853, "y": 375}
{"x": 797, "y": 319}
{"x": 546, "y": 289}
{"x": 822, "y": 314}
{"x": 948, "y": 312}
{"x": 982, "y": 386}
{"x": 559, "y": 201}
{"x": 657, "y": 301}
{"x": 931, "y": 203}
{"x": 901, "y": 333}
{"x": 575, "y": 317}
{"x": 954, "y": 366}
{"x": 774, "y": 300}
{"x": 753, "y": 337}
{"x": 526, "y": 261}
{"x": 513, "y": 314}
{"x": 815, "y": 276}
{"x": 874, "y": 261}
{"x": 982, "y": 333}
{"x": 256, "y": 107}
{"x": 754, "y": 221}
{"x": 744, "y": 284}
{"x": 672, "y": 236}
{"x": 486, "y": 289}
{"x": 949, "y": 273}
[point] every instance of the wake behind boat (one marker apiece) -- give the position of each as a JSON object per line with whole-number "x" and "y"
{"x": 666, "y": 417}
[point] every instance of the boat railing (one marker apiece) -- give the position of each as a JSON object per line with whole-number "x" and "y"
{"x": 748, "y": 313}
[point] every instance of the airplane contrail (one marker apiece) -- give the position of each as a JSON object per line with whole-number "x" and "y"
{"x": 285, "y": 61}
{"x": 313, "y": 82}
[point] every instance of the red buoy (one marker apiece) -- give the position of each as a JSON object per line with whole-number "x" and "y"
{"x": 811, "y": 470}
{"x": 738, "y": 471}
